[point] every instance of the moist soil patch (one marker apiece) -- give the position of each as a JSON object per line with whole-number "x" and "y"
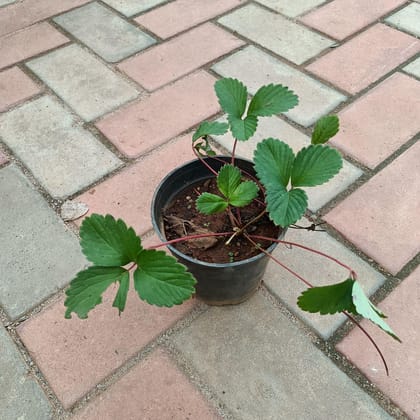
{"x": 181, "y": 218}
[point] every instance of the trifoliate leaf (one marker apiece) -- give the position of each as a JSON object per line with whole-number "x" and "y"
{"x": 208, "y": 203}
{"x": 273, "y": 161}
{"x": 228, "y": 179}
{"x": 85, "y": 291}
{"x": 160, "y": 280}
{"x": 285, "y": 207}
{"x": 315, "y": 165}
{"x": 209, "y": 128}
{"x": 243, "y": 129}
{"x": 232, "y": 95}
{"x": 121, "y": 296}
{"x": 272, "y": 99}
{"x": 244, "y": 194}
{"x": 108, "y": 242}
{"x": 325, "y": 128}
{"x": 366, "y": 308}
{"x": 328, "y": 299}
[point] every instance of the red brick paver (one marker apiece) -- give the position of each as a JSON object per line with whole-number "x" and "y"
{"x": 25, "y": 13}
{"x": 381, "y": 121}
{"x": 386, "y": 209}
{"x": 180, "y": 15}
{"x": 341, "y": 18}
{"x": 129, "y": 194}
{"x": 365, "y": 58}
{"x": 76, "y": 354}
{"x": 146, "y": 124}
{"x": 15, "y": 86}
{"x": 28, "y": 42}
{"x": 403, "y": 384}
{"x": 155, "y": 389}
{"x": 179, "y": 56}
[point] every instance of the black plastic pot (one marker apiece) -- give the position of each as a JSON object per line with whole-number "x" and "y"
{"x": 217, "y": 284}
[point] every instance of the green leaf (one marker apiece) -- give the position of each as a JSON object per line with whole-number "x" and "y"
{"x": 285, "y": 207}
{"x": 228, "y": 179}
{"x": 243, "y": 129}
{"x": 160, "y": 280}
{"x": 273, "y": 161}
{"x": 208, "y": 203}
{"x": 108, "y": 242}
{"x": 121, "y": 296}
{"x": 207, "y": 128}
{"x": 244, "y": 194}
{"x": 315, "y": 165}
{"x": 366, "y": 308}
{"x": 85, "y": 291}
{"x": 328, "y": 299}
{"x": 325, "y": 128}
{"x": 272, "y": 99}
{"x": 232, "y": 95}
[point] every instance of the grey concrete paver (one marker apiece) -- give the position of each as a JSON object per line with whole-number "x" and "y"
{"x": 82, "y": 81}
{"x": 273, "y": 31}
{"x": 38, "y": 254}
{"x": 132, "y": 7}
{"x": 317, "y": 270}
{"x": 407, "y": 19}
{"x": 413, "y": 68}
{"x": 105, "y": 32}
{"x": 21, "y": 398}
{"x": 62, "y": 155}
{"x": 255, "y": 68}
{"x": 263, "y": 367}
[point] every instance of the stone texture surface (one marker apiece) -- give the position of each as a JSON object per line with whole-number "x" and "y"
{"x": 41, "y": 255}
{"x": 179, "y": 56}
{"x": 132, "y": 7}
{"x": 151, "y": 122}
{"x": 3, "y": 158}
{"x": 15, "y": 86}
{"x": 82, "y": 81}
{"x": 20, "y": 395}
{"x": 76, "y": 354}
{"x": 387, "y": 209}
{"x": 402, "y": 386}
{"x": 413, "y": 68}
{"x": 276, "y": 33}
{"x": 25, "y": 13}
{"x": 249, "y": 365}
{"x": 179, "y": 15}
{"x": 277, "y": 128}
{"x": 255, "y": 68}
{"x": 105, "y": 32}
{"x": 378, "y": 123}
{"x": 407, "y": 19}
{"x": 317, "y": 270}
{"x": 367, "y": 57}
{"x": 128, "y": 195}
{"x": 155, "y": 378}
{"x": 341, "y": 18}
{"x": 28, "y": 42}
{"x": 291, "y": 8}
{"x": 62, "y": 155}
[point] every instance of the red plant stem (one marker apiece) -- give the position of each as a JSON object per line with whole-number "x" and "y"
{"x": 370, "y": 339}
{"x": 233, "y": 151}
{"x": 277, "y": 261}
{"x": 189, "y": 237}
{"x": 352, "y": 272}
{"x": 204, "y": 162}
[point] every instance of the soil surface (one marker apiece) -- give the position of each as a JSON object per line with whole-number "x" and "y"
{"x": 181, "y": 218}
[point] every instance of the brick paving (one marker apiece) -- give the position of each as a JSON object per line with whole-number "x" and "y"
{"x": 96, "y": 100}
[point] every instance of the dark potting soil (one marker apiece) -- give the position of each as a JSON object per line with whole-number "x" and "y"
{"x": 182, "y": 218}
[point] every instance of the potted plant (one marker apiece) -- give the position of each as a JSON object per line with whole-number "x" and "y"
{"x": 221, "y": 217}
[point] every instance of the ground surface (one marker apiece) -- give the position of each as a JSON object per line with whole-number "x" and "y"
{"x": 98, "y": 100}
